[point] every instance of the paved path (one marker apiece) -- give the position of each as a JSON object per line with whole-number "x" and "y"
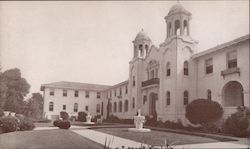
{"x": 51, "y": 128}
{"x": 100, "y": 137}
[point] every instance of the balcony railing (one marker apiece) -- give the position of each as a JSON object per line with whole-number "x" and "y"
{"x": 230, "y": 71}
{"x": 154, "y": 81}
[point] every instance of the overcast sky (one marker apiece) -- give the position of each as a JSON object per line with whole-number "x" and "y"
{"x": 91, "y": 42}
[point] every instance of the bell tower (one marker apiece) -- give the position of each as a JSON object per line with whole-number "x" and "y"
{"x": 142, "y": 44}
{"x": 177, "y": 21}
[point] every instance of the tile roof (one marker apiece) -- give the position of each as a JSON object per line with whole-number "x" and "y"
{"x": 75, "y": 85}
{"x": 222, "y": 46}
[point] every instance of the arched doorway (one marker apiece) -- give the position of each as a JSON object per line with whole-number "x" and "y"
{"x": 233, "y": 94}
{"x": 152, "y": 104}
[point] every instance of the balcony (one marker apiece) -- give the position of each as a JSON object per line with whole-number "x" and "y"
{"x": 230, "y": 71}
{"x": 154, "y": 81}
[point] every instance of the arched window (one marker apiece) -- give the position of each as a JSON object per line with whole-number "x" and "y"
{"x": 185, "y": 23}
{"x": 146, "y": 48}
{"x": 133, "y": 104}
{"x": 75, "y": 107}
{"x": 185, "y": 68}
{"x": 185, "y": 97}
{"x": 115, "y": 107}
{"x": 98, "y": 108}
{"x": 51, "y": 106}
{"x": 169, "y": 29}
{"x": 120, "y": 106}
{"x": 168, "y": 69}
{"x": 168, "y": 98}
{"x": 110, "y": 107}
{"x": 209, "y": 94}
{"x": 141, "y": 50}
{"x": 177, "y": 27}
{"x": 126, "y": 106}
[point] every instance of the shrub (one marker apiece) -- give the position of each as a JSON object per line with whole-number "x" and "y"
{"x": 64, "y": 115}
{"x": 82, "y": 116}
{"x": 65, "y": 124}
{"x": 237, "y": 123}
{"x": 1, "y": 112}
{"x": 8, "y": 124}
{"x": 24, "y": 123}
{"x": 150, "y": 121}
{"x": 113, "y": 119}
{"x": 203, "y": 111}
{"x": 62, "y": 124}
{"x": 56, "y": 123}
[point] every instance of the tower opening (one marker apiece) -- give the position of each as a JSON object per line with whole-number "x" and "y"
{"x": 177, "y": 27}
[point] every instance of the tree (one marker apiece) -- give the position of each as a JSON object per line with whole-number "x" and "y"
{"x": 13, "y": 89}
{"x": 34, "y": 106}
{"x": 237, "y": 123}
{"x": 203, "y": 111}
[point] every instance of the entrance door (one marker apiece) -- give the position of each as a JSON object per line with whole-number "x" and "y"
{"x": 152, "y": 104}
{"x": 233, "y": 94}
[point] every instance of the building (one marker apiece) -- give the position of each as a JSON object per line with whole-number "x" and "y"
{"x": 163, "y": 80}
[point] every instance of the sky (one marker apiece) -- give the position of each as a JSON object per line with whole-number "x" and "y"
{"x": 91, "y": 42}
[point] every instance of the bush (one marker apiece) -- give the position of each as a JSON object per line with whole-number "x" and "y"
{"x": 82, "y": 116}
{"x": 8, "y": 124}
{"x": 56, "y": 123}
{"x": 24, "y": 123}
{"x": 64, "y": 115}
{"x": 1, "y": 112}
{"x": 63, "y": 124}
{"x": 237, "y": 123}
{"x": 203, "y": 111}
{"x": 113, "y": 119}
{"x": 150, "y": 121}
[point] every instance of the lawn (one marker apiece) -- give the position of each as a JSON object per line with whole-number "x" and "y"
{"x": 46, "y": 139}
{"x": 156, "y": 137}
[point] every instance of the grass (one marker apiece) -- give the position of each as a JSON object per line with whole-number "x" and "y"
{"x": 156, "y": 138}
{"x": 46, "y": 139}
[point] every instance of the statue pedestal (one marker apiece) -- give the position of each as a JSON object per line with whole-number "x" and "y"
{"x": 88, "y": 120}
{"x": 139, "y": 120}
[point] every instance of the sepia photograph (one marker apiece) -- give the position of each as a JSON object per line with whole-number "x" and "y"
{"x": 124, "y": 74}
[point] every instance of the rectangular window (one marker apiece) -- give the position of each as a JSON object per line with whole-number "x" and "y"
{"x": 86, "y": 108}
{"x": 168, "y": 72}
{"x": 209, "y": 66}
{"x": 51, "y": 92}
{"x": 65, "y": 93}
{"x": 120, "y": 91}
{"x": 133, "y": 104}
{"x": 98, "y": 95}
{"x": 115, "y": 92}
{"x": 232, "y": 59}
{"x": 126, "y": 91}
{"x": 76, "y": 94}
{"x": 98, "y": 108}
{"x": 86, "y": 94}
{"x": 64, "y": 107}
{"x": 133, "y": 80}
{"x": 152, "y": 74}
{"x": 168, "y": 98}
